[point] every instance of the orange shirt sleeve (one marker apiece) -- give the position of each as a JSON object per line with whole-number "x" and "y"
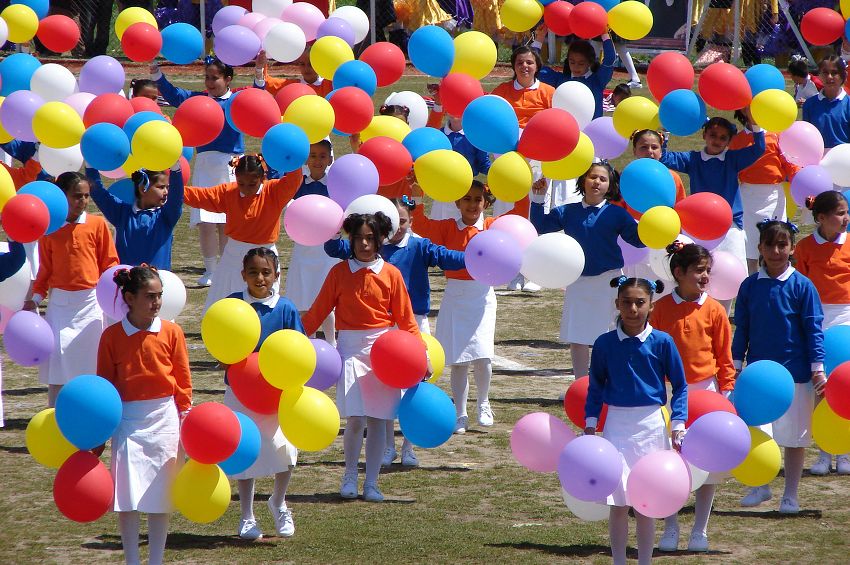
{"x": 182, "y": 374}
{"x": 426, "y": 227}
{"x": 23, "y": 175}
{"x": 107, "y": 255}
{"x": 324, "y": 303}
{"x": 105, "y": 361}
{"x": 522, "y": 207}
{"x": 801, "y": 256}
{"x": 45, "y": 267}
{"x": 721, "y": 341}
{"x": 680, "y": 186}
{"x": 209, "y": 198}
{"x": 274, "y": 84}
{"x": 435, "y": 119}
{"x": 283, "y": 189}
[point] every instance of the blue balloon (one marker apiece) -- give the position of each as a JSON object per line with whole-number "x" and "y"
{"x": 426, "y": 415}
{"x": 646, "y": 183}
{"x": 836, "y": 346}
{"x": 422, "y": 140}
{"x": 607, "y": 4}
{"x": 286, "y": 147}
{"x": 188, "y": 153}
{"x": 16, "y": 71}
{"x": 763, "y": 392}
{"x": 490, "y": 124}
{"x": 547, "y": 2}
{"x": 53, "y": 198}
{"x": 226, "y": 107}
{"x": 431, "y": 50}
{"x": 136, "y": 120}
{"x": 105, "y": 146}
{"x": 682, "y": 112}
{"x": 248, "y": 449}
{"x": 181, "y": 43}
{"x": 358, "y": 74}
{"x": 764, "y": 77}
{"x": 88, "y": 410}
{"x": 124, "y": 190}
{"x": 40, "y": 7}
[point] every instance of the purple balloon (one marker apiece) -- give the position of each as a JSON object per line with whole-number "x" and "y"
{"x": 716, "y": 442}
{"x": 811, "y": 180}
{"x": 493, "y": 257}
{"x": 328, "y": 365}
{"x": 590, "y": 468}
{"x": 227, "y": 16}
{"x": 28, "y": 339}
{"x": 17, "y": 112}
{"x": 607, "y": 143}
{"x": 102, "y": 75}
{"x": 708, "y": 243}
{"x": 350, "y": 177}
{"x": 236, "y": 45}
{"x": 632, "y": 255}
{"x": 337, "y": 27}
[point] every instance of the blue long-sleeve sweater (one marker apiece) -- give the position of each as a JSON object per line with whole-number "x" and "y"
{"x": 141, "y": 236}
{"x": 780, "y": 320}
{"x": 412, "y": 257}
{"x": 831, "y": 117}
{"x": 595, "y": 81}
{"x": 310, "y": 186}
{"x": 594, "y": 228}
{"x": 12, "y": 261}
{"x": 479, "y": 160}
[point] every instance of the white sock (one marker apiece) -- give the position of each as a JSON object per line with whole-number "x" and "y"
{"x": 482, "y": 370}
{"x": 645, "y": 537}
{"x": 376, "y": 441}
{"x": 460, "y": 387}
{"x": 157, "y": 534}
{"x": 702, "y": 508}
{"x": 352, "y": 442}
{"x": 210, "y": 264}
{"x": 671, "y": 523}
{"x": 618, "y": 532}
{"x": 128, "y": 525}
{"x": 391, "y": 434}
{"x": 281, "y": 483}
{"x": 246, "y": 498}
{"x": 329, "y": 328}
{"x": 626, "y": 59}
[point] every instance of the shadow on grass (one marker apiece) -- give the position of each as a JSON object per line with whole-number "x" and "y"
{"x": 178, "y": 541}
{"x": 17, "y": 449}
{"x": 395, "y": 468}
{"x": 532, "y": 401}
{"x": 558, "y": 372}
{"x": 770, "y": 515}
{"x": 590, "y": 550}
{"x": 323, "y": 498}
{"x": 534, "y": 343}
{"x": 24, "y": 391}
{"x": 15, "y": 424}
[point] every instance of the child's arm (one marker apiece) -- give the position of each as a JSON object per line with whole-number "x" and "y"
{"x": 12, "y": 261}
{"x": 741, "y": 339}
{"x": 107, "y": 255}
{"x": 676, "y": 160}
{"x": 425, "y": 226}
{"x": 811, "y": 315}
{"x": 721, "y": 344}
{"x": 554, "y": 221}
{"x": 446, "y": 259}
{"x": 521, "y": 208}
{"x": 42, "y": 278}
{"x": 679, "y": 400}
{"x": 23, "y": 175}
{"x": 105, "y": 363}
{"x": 338, "y": 248}
{"x": 208, "y": 198}
{"x": 598, "y": 377}
{"x": 748, "y": 155}
{"x": 322, "y": 306}
{"x": 182, "y": 374}
{"x": 606, "y": 69}
{"x": 629, "y": 230}
{"x": 284, "y": 188}
{"x": 292, "y": 319}
{"x": 173, "y": 207}
{"x": 482, "y": 162}
{"x": 109, "y": 204}
{"x": 400, "y": 308}
{"x": 173, "y": 95}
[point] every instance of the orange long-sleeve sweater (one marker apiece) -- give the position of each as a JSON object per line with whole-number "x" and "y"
{"x": 250, "y": 219}
{"x": 680, "y": 194}
{"x": 23, "y": 175}
{"x": 703, "y": 336}
{"x": 275, "y": 84}
{"x": 827, "y": 265}
{"x": 771, "y": 167}
{"x": 526, "y": 102}
{"x": 146, "y": 364}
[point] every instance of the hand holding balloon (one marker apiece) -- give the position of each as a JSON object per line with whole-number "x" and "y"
{"x": 677, "y": 437}
{"x": 590, "y": 431}
{"x": 819, "y": 381}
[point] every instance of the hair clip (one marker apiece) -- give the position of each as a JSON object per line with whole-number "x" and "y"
{"x": 234, "y": 161}
{"x": 763, "y": 224}
{"x": 798, "y": 57}
{"x": 652, "y": 285}
{"x": 209, "y": 59}
{"x": 407, "y": 201}
{"x": 621, "y": 280}
{"x": 145, "y": 181}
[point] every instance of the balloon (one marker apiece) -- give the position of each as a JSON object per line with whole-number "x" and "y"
{"x": 574, "y": 97}
{"x": 141, "y": 104}
{"x": 372, "y": 203}
{"x": 130, "y": 16}
{"x": 102, "y": 75}
{"x": 210, "y": 432}
{"x": 109, "y": 299}
{"x": 58, "y": 33}
{"x": 763, "y": 393}
{"x": 337, "y": 27}
{"x": 537, "y": 440}
{"x": 22, "y": 22}
{"x": 659, "y": 484}
{"x": 88, "y": 411}
{"x": 285, "y": 147}
{"x": 45, "y": 442}
{"x": 270, "y": 8}
{"x": 727, "y": 274}
{"x": 53, "y": 198}
{"x": 724, "y": 86}
{"x": 590, "y": 468}
{"x": 227, "y": 16}
{"x": 286, "y": 95}
{"x": 386, "y": 126}
{"x": 328, "y": 53}
{"x": 116, "y": 109}
{"x": 830, "y": 432}
{"x": 53, "y": 82}
{"x": 230, "y": 329}
{"x": 521, "y": 230}
{"x": 236, "y": 45}
{"x": 57, "y": 125}
{"x": 457, "y": 90}
{"x": 444, "y": 175}
{"x": 607, "y": 142}
{"x": 254, "y": 112}
{"x": 837, "y": 392}
{"x": 630, "y": 19}
{"x": 475, "y": 54}
{"x": 58, "y": 161}
{"x": 285, "y": 42}
{"x": 836, "y": 345}
{"x": 13, "y": 292}
{"x": 287, "y": 360}
{"x": 659, "y": 226}
{"x": 682, "y": 112}
{"x": 490, "y": 124}
{"x": 182, "y": 43}
{"x": 632, "y": 255}
{"x": 80, "y": 101}
{"x": 811, "y": 180}
{"x": 801, "y": 144}
{"x": 156, "y": 145}
{"x": 762, "y": 463}
{"x": 436, "y": 356}
{"x": 105, "y": 146}
{"x": 835, "y": 162}
{"x": 17, "y": 113}
{"x": 553, "y": 260}
{"x": 493, "y": 257}
{"x": 701, "y": 402}
{"x": 7, "y": 187}
{"x": 28, "y": 339}
{"x": 426, "y": 415}
{"x": 248, "y": 449}
{"x": 822, "y": 26}
{"x": 667, "y": 72}
{"x": 356, "y": 18}
{"x": 17, "y": 70}
{"x": 509, "y": 177}
{"x": 173, "y": 295}
{"x": 717, "y": 441}
{"x": 141, "y": 42}
{"x": 588, "y": 19}
{"x": 308, "y": 418}
{"x": 574, "y": 401}
{"x": 520, "y": 15}
{"x": 249, "y": 386}
{"x": 125, "y": 191}
{"x": 704, "y": 215}
{"x": 357, "y": 74}
{"x": 646, "y": 183}
{"x": 201, "y": 492}
{"x": 390, "y": 157}
{"x": 250, "y": 20}
{"x": 83, "y": 488}
{"x": 549, "y": 135}
{"x": 328, "y": 365}
{"x": 431, "y": 50}
{"x": 574, "y": 164}
{"x": 40, "y": 7}
{"x": 416, "y": 105}
{"x": 423, "y": 140}
{"x": 774, "y": 110}
{"x": 350, "y": 177}
{"x": 633, "y": 114}
{"x": 587, "y": 511}
{"x": 25, "y": 218}
{"x": 199, "y": 120}
{"x": 845, "y": 8}
{"x": 312, "y": 219}
{"x": 386, "y": 59}
{"x": 556, "y": 15}
{"x": 313, "y": 114}
{"x": 398, "y": 359}
{"x": 764, "y": 77}
{"x": 306, "y": 16}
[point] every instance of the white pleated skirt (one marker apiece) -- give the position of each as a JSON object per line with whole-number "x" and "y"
{"x": 589, "y": 308}
{"x": 211, "y": 168}
{"x": 760, "y": 201}
{"x": 423, "y": 323}
{"x": 359, "y": 392}
{"x": 227, "y": 277}
{"x": 77, "y": 323}
{"x": 836, "y": 315}
{"x": 794, "y": 428}
{"x": 466, "y": 324}
{"x": 309, "y": 266}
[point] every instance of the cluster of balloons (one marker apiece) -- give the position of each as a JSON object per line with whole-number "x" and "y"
{"x": 630, "y": 19}
{"x": 24, "y": 19}
{"x": 831, "y": 419}
{"x": 37, "y": 209}
{"x": 141, "y": 39}
{"x": 112, "y": 303}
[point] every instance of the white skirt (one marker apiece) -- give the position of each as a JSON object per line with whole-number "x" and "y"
{"x": 760, "y": 201}
{"x": 308, "y": 268}
{"x": 359, "y": 392}
{"x": 735, "y": 243}
{"x": 277, "y": 455}
{"x": 836, "y": 315}
{"x": 144, "y": 456}
{"x": 211, "y": 168}
{"x": 227, "y": 277}
{"x": 561, "y": 192}
{"x": 635, "y": 432}
{"x": 589, "y": 308}
{"x": 794, "y": 428}
{"x": 77, "y": 323}
{"x": 423, "y": 323}
{"x": 466, "y": 324}
{"x": 31, "y": 250}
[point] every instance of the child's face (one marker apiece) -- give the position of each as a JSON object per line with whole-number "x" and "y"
{"x": 471, "y": 206}
{"x": 156, "y": 194}
{"x": 695, "y": 279}
{"x": 260, "y": 275}
{"x": 318, "y": 161}
{"x": 716, "y": 140}
{"x": 777, "y": 253}
{"x": 799, "y": 81}
{"x": 596, "y": 184}
{"x": 364, "y": 244}
{"x": 307, "y": 72}
{"x": 145, "y": 304}
{"x": 248, "y": 183}
{"x": 830, "y": 75}
{"x": 835, "y": 222}
{"x": 634, "y": 306}
{"x": 78, "y": 200}
{"x": 215, "y": 82}
{"x": 579, "y": 65}
{"x": 148, "y": 91}
{"x": 404, "y": 224}
{"x": 525, "y": 67}
{"x": 648, "y": 146}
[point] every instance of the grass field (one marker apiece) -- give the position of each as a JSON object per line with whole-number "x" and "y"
{"x": 469, "y": 502}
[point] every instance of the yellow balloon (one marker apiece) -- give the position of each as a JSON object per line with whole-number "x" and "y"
{"x": 308, "y": 418}
{"x": 328, "y": 53}
{"x": 762, "y": 462}
{"x": 5, "y": 136}
{"x": 830, "y": 431}
{"x": 443, "y": 174}
{"x": 130, "y": 16}
{"x": 635, "y": 113}
{"x": 521, "y": 15}
{"x": 45, "y": 442}
{"x": 287, "y": 359}
{"x": 313, "y": 114}
{"x": 475, "y": 54}
{"x": 573, "y": 165}
{"x": 845, "y": 8}
{"x": 510, "y": 177}
{"x": 230, "y": 330}
{"x": 131, "y": 165}
{"x": 22, "y": 22}
{"x": 437, "y": 356}
{"x": 386, "y": 126}
{"x": 773, "y": 109}
{"x": 201, "y": 492}
{"x": 630, "y": 20}
{"x": 57, "y": 125}
{"x": 790, "y": 206}
{"x": 659, "y": 227}
{"x": 156, "y": 145}
{"x": 7, "y": 187}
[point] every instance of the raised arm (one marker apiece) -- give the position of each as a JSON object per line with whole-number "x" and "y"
{"x": 606, "y": 68}
{"x": 746, "y": 156}
{"x": 338, "y": 248}
{"x": 173, "y": 207}
{"x": 172, "y": 94}
{"x": 209, "y": 198}
{"x": 676, "y": 160}
{"x": 12, "y": 261}
{"x": 554, "y": 221}
{"x": 109, "y": 204}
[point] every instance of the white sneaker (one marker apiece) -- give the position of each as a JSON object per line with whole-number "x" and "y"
{"x": 842, "y": 464}
{"x": 348, "y": 489}
{"x": 669, "y": 540}
{"x": 408, "y": 458}
{"x": 485, "y": 414}
{"x": 248, "y": 529}
{"x": 756, "y": 496}
{"x": 634, "y": 84}
{"x": 205, "y": 279}
{"x": 698, "y": 542}
{"x": 822, "y": 465}
{"x": 461, "y": 424}
{"x": 282, "y": 520}
{"x": 390, "y": 455}
{"x": 530, "y": 287}
{"x": 516, "y": 284}
{"x": 371, "y": 493}
{"x": 789, "y": 506}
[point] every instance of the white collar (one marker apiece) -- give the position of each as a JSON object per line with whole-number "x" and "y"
{"x": 374, "y": 266}
{"x": 600, "y": 205}
{"x": 447, "y": 130}
{"x": 841, "y": 95}
{"x": 706, "y": 157}
{"x": 588, "y": 74}
{"x": 534, "y": 86}
{"x": 270, "y": 301}
{"x": 783, "y": 277}
{"x": 80, "y": 220}
{"x": 404, "y": 240}
{"x": 479, "y": 224}
{"x": 259, "y": 190}
{"x": 678, "y": 299}
{"x": 130, "y": 329}
{"x": 641, "y": 336}
{"x": 317, "y": 82}
{"x": 842, "y": 237}
{"x": 224, "y": 96}
{"x": 308, "y": 179}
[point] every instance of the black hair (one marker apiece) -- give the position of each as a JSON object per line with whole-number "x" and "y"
{"x": 682, "y": 255}
{"x": 262, "y": 253}
{"x": 143, "y": 179}
{"x": 623, "y": 90}
{"x": 717, "y": 121}
{"x": 404, "y": 202}
{"x": 742, "y": 119}
{"x": 838, "y": 62}
{"x": 68, "y": 180}
{"x": 249, "y": 164}
{"x": 798, "y": 68}
{"x": 613, "y": 193}
{"x": 395, "y": 110}
{"x": 642, "y": 132}
{"x": 132, "y": 280}
{"x": 488, "y": 196}
{"x": 769, "y": 230}
{"x": 139, "y": 84}
{"x": 379, "y": 223}
{"x": 586, "y": 50}
{"x": 522, "y": 50}
{"x": 623, "y": 282}
{"x": 222, "y": 67}
{"x": 326, "y": 143}
{"x": 825, "y": 202}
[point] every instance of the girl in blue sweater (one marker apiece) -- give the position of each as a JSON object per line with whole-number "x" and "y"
{"x": 778, "y": 316}
{"x": 829, "y": 110}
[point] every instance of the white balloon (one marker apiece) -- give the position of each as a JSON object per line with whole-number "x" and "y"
{"x": 577, "y": 99}
{"x": 53, "y": 82}
{"x": 285, "y": 42}
{"x": 837, "y": 162}
{"x": 698, "y": 476}
{"x": 173, "y": 295}
{"x": 270, "y": 8}
{"x": 371, "y": 203}
{"x": 553, "y": 260}
{"x": 13, "y": 290}
{"x": 418, "y": 116}
{"x": 4, "y": 30}
{"x": 57, "y": 161}
{"x": 356, "y": 18}
{"x": 587, "y": 511}
{"x": 659, "y": 261}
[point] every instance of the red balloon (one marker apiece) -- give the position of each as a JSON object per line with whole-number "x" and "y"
{"x": 142, "y": 104}
{"x": 667, "y": 72}
{"x": 111, "y": 108}
{"x": 254, "y": 112}
{"x": 25, "y": 218}
{"x": 251, "y": 388}
{"x": 588, "y": 20}
{"x": 574, "y": 402}
{"x": 837, "y": 392}
{"x": 290, "y": 92}
{"x": 199, "y": 120}
{"x": 701, "y": 402}
{"x": 457, "y": 90}
{"x": 724, "y": 86}
{"x": 391, "y": 158}
{"x": 83, "y": 487}
{"x": 822, "y": 26}
{"x": 549, "y": 135}
{"x": 704, "y": 215}
{"x": 210, "y": 433}
{"x": 399, "y": 359}
{"x": 141, "y": 42}
{"x": 353, "y": 109}
{"x": 386, "y": 59}
{"x": 557, "y": 17}
{"x": 58, "y": 33}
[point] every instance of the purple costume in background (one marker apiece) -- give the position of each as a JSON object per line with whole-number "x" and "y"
{"x": 173, "y": 11}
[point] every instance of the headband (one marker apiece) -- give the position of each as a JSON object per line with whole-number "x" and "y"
{"x": 623, "y": 279}
{"x": 762, "y": 225}
{"x": 144, "y": 180}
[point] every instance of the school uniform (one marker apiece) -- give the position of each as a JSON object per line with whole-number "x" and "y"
{"x": 807, "y": 90}
{"x": 526, "y": 102}
{"x": 827, "y": 265}
{"x": 595, "y": 81}
{"x": 10, "y": 263}
{"x": 830, "y": 116}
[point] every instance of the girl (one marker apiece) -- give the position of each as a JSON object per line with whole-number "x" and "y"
{"x": 309, "y": 76}
{"x": 628, "y": 373}
{"x": 144, "y": 231}
{"x": 829, "y": 110}
{"x": 805, "y": 84}
{"x": 595, "y": 225}
{"x": 253, "y": 216}
{"x": 703, "y": 335}
{"x": 260, "y": 271}
{"x": 412, "y": 255}
{"x": 778, "y": 316}
{"x": 823, "y": 258}
{"x": 71, "y": 260}
{"x": 147, "y": 360}
{"x": 370, "y": 298}
{"x": 525, "y": 93}
{"x": 144, "y": 88}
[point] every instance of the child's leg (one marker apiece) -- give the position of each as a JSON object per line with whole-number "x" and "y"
{"x": 157, "y": 533}
{"x": 352, "y": 442}
{"x": 482, "y": 370}
{"x": 618, "y": 531}
{"x": 794, "y": 458}
{"x": 246, "y": 498}
{"x": 460, "y": 387}
{"x": 52, "y": 393}
{"x": 581, "y": 359}
{"x": 281, "y": 483}
{"x": 376, "y": 441}
{"x": 645, "y": 537}
{"x": 626, "y": 59}
{"x": 128, "y": 525}
{"x": 704, "y": 498}
{"x": 210, "y": 249}
{"x": 390, "y": 435}
{"x": 329, "y": 327}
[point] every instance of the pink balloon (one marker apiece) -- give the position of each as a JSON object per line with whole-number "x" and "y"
{"x": 312, "y": 219}
{"x": 5, "y": 314}
{"x": 114, "y": 174}
{"x": 632, "y": 255}
{"x": 108, "y": 297}
{"x": 727, "y": 274}
{"x": 659, "y": 484}
{"x": 538, "y": 439}
{"x": 264, "y": 26}
{"x": 306, "y": 16}
{"x": 520, "y": 228}
{"x": 79, "y": 101}
{"x": 802, "y": 144}
{"x": 250, "y": 20}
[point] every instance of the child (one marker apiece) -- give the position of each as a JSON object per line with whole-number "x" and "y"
{"x": 147, "y": 360}
{"x": 253, "y": 210}
{"x": 611, "y": 98}
{"x": 370, "y": 298}
{"x": 703, "y": 335}
{"x": 778, "y": 316}
{"x": 526, "y": 93}
{"x": 413, "y": 256}
{"x": 805, "y": 84}
{"x": 823, "y": 258}
{"x": 71, "y": 260}
{"x": 321, "y": 86}
{"x": 628, "y": 373}
{"x": 829, "y": 110}
{"x": 144, "y": 231}
{"x": 277, "y": 456}
{"x": 10, "y": 263}
{"x": 144, "y": 88}
{"x": 595, "y": 224}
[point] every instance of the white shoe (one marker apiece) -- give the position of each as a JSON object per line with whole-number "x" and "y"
{"x": 634, "y": 84}
{"x": 205, "y": 279}
{"x": 842, "y": 464}
{"x": 371, "y": 493}
{"x": 669, "y": 540}
{"x": 756, "y": 496}
{"x": 516, "y": 284}
{"x": 408, "y": 458}
{"x": 248, "y": 529}
{"x": 485, "y": 414}
{"x": 789, "y": 506}
{"x": 530, "y": 287}
{"x": 822, "y": 465}
{"x": 282, "y": 520}
{"x": 390, "y": 455}
{"x": 698, "y": 542}
{"x": 461, "y": 424}
{"x": 348, "y": 489}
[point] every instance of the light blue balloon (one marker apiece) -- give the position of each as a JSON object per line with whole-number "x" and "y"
{"x": 286, "y": 147}
{"x": 137, "y": 120}
{"x": 358, "y": 74}
{"x": 53, "y": 198}
{"x": 40, "y": 7}
{"x": 226, "y": 107}
{"x": 763, "y": 392}
{"x": 646, "y": 183}
{"x": 16, "y": 71}
{"x": 248, "y": 449}
{"x": 426, "y": 415}
{"x": 422, "y": 140}
{"x": 607, "y": 4}
{"x": 124, "y": 190}
{"x": 836, "y": 346}
{"x": 105, "y": 146}
{"x": 188, "y": 153}
{"x": 181, "y": 43}
{"x": 88, "y": 410}
{"x": 431, "y": 50}
{"x": 764, "y": 77}
{"x": 682, "y": 112}
{"x": 491, "y": 125}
